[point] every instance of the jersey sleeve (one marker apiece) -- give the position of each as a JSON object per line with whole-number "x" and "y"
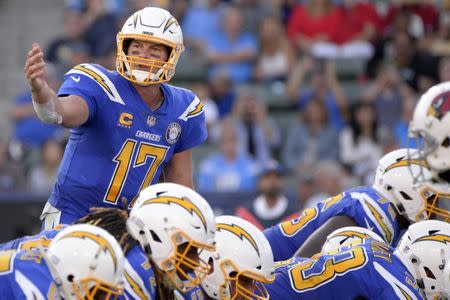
{"x": 287, "y": 237}
{"x": 85, "y": 83}
{"x": 139, "y": 277}
{"x": 395, "y": 283}
{"x": 376, "y": 214}
{"x": 195, "y": 132}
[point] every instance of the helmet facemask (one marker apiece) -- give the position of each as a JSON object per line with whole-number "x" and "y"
{"x": 157, "y": 71}
{"x": 437, "y": 204}
{"x": 241, "y": 284}
{"x": 184, "y": 268}
{"x": 92, "y": 288}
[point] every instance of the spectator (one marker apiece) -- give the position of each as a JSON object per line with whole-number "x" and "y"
{"x": 222, "y": 92}
{"x": 258, "y": 134}
{"x": 329, "y": 180}
{"x": 28, "y": 130}
{"x": 312, "y": 22}
{"x": 385, "y": 92}
{"x": 271, "y": 206}
{"x": 116, "y": 7}
{"x": 358, "y": 143}
{"x": 11, "y": 174}
{"x": 310, "y": 139}
{"x": 304, "y": 189}
{"x": 253, "y": 12}
{"x": 417, "y": 69}
{"x": 232, "y": 50}
{"x": 358, "y": 29}
{"x": 43, "y": 176}
{"x": 440, "y": 45}
{"x": 401, "y": 127}
{"x": 59, "y": 50}
{"x": 100, "y": 28}
{"x": 276, "y": 55}
{"x": 324, "y": 87}
{"x": 418, "y": 18}
{"x": 228, "y": 170}
{"x": 200, "y": 23}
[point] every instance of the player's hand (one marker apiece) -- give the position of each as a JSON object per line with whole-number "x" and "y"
{"x": 34, "y": 68}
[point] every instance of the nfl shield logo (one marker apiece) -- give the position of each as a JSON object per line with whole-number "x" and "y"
{"x": 151, "y": 120}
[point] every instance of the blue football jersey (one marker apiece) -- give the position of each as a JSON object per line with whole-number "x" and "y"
{"x": 25, "y": 275}
{"x": 29, "y": 242}
{"x": 363, "y": 204}
{"x": 124, "y": 145}
{"x": 369, "y": 270}
{"x": 139, "y": 277}
{"x": 140, "y": 282}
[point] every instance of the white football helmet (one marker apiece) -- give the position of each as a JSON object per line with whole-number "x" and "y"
{"x": 396, "y": 179}
{"x": 242, "y": 263}
{"x": 151, "y": 24}
{"x": 86, "y": 262}
{"x": 348, "y": 235}
{"x": 173, "y": 223}
{"x": 430, "y": 125}
{"x": 425, "y": 250}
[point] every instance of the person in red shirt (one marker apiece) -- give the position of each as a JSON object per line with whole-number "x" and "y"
{"x": 361, "y": 22}
{"x": 314, "y": 21}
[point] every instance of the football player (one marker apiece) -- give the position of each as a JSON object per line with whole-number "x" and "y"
{"x": 128, "y": 127}
{"x": 81, "y": 262}
{"x": 173, "y": 224}
{"x": 139, "y": 276}
{"x": 371, "y": 269}
{"x": 386, "y": 208}
{"x": 144, "y": 278}
{"x": 425, "y": 250}
{"x": 430, "y": 126}
{"x": 242, "y": 263}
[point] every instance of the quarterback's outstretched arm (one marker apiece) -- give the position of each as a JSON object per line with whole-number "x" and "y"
{"x": 72, "y": 112}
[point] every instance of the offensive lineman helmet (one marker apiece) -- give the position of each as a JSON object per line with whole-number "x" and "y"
{"x": 396, "y": 180}
{"x": 348, "y": 235}
{"x": 173, "y": 223}
{"x": 150, "y": 24}
{"x": 86, "y": 262}
{"x": 425, "y": 250}
{"x": 242, "y": 262}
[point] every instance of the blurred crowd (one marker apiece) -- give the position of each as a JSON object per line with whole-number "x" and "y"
{"x": 292, "y": 50}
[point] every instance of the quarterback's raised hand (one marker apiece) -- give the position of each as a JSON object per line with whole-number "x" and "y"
{"x": 34, "y": 68}
{"x": 72, "y": 112}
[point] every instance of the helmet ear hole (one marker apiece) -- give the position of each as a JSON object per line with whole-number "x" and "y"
{"x": 70, "y": 277}
{"x": 446, "y": 142}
